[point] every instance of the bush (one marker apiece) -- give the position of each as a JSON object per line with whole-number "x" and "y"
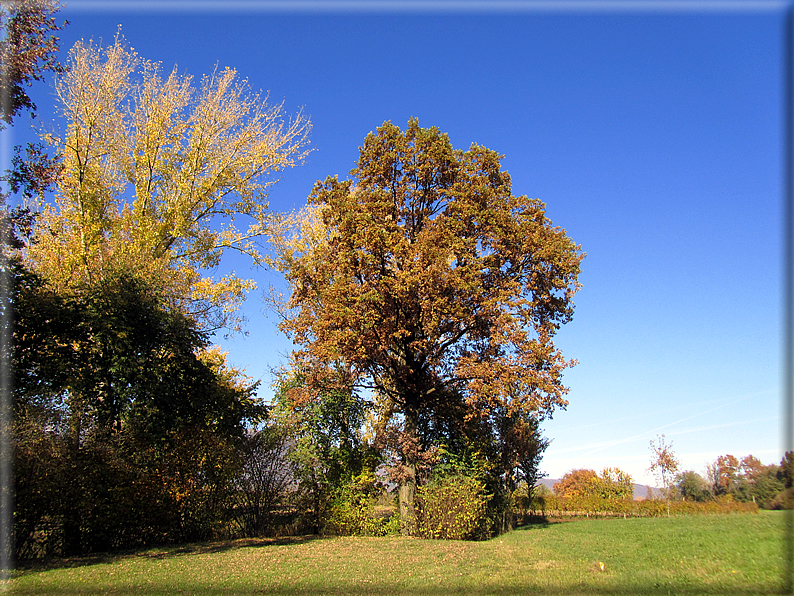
{"x": 452, "y": 507}
{"x": 783, "y": 500}
{"x": 352, "y": 511}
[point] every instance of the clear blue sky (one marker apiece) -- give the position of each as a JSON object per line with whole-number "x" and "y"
{"x": 653, "y": 136}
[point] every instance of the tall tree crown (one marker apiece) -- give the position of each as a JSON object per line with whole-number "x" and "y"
{"x": 428, "y": 275}
{"x": 156, "y": 174}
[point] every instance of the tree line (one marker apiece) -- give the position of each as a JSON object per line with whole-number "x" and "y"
{"x": 727, "y": 479}
{"x": 424, "y": 301}
{"x": 742, "y": 480}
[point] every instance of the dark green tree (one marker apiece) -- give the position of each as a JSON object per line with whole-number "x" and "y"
{"x": 787, "y": 469}
{"x": 116, "y": 357}
{"x": 326, "y": 446}
{"x": 692, "y": 486}
{"x": 766, "y": 486}
{"x": 134, "y": 426}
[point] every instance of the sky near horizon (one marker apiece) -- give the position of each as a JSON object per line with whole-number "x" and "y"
{"x": 653, "y": 136}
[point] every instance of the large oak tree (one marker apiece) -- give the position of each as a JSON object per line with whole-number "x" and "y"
{"x": 432, "y": 282}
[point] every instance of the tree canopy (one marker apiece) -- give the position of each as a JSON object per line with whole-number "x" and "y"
{"x": 613, "y": 483}
{"x": 426, "y": 276}
{"x": 155, "y": 174}
{"x": 28, "y": 49}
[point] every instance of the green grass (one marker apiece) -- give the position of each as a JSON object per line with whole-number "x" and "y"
{"x": 720, "y": 554}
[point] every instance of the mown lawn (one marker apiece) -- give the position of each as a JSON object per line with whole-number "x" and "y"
{"x": 725, "y": 554}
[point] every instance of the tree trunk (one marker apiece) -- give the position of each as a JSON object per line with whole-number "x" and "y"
{"x": 407, "y": 493}
{"x": 407, "y": 490}
{"x": 316, "y": 499}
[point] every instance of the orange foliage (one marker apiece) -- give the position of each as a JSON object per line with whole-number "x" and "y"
{"x": 431, "y": 282}
{"x": 426, "y": 274}
{"x": 576, "y": 483}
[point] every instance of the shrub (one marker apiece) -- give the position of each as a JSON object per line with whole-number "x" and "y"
{"x": 452, "y": 507}
{"x": 352, "y": 510}
{"x": 783, "y": 500}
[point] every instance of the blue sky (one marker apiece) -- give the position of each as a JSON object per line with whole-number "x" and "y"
{"x": 653, "y": 136}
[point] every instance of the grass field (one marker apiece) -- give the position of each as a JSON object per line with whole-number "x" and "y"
{"x": 725, "y": 554}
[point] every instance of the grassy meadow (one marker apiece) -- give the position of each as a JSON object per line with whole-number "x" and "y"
{"x": 708, "y": 554}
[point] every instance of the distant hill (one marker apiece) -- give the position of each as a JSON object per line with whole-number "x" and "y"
{"x": 640, "y": 490}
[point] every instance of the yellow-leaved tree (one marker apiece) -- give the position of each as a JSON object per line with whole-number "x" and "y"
{"x": 157, "y": 174}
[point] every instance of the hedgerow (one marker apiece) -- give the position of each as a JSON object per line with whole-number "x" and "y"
{"x": 555, "y": 506}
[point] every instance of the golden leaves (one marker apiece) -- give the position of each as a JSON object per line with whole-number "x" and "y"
{"x": 157, "y": 169}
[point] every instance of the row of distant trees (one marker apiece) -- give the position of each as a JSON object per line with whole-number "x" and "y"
{"x": 727, "y": 478}
{"x": 744, "y": 480}
{"x": 424, "y": 301}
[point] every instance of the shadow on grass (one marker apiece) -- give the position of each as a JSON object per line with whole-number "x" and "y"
{"x": 165, "y": 552}
{"x": 539, "y": 522}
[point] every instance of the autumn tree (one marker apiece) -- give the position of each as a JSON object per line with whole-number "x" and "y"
{"x": 612, "y": 483}
{"x": 616, "y": 484}
{"x": 28, "y": 49}
{"x": 427, "y": 277}
{"x": 751, "y": 473}
{"x": 724, "y": 474}
{"x": 664, "y": 465}
{"x": 122, "y": 408}
{"x": 576, "y": 483}
{"x": 156, "y": 174}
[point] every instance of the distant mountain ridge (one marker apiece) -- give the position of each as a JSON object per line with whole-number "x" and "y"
{"x": 640, "y": 490}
